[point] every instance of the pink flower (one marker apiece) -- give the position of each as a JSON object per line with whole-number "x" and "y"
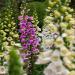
{"x": 26, "y": 17}
{"x": 31, "y": 18}
{"x": 20, "y": 18}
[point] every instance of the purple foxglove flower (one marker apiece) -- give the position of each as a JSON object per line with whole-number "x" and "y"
{"x": 28, "y": 37}
{"x": 23, "y": 40}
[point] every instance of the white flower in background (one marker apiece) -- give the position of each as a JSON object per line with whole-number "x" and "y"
{"x": 52, "y": 27}
{"x": 47, "y": 43}
{"x": 72, "y": 72}
{"x": 63, "y": 25}
{"x": 57, "y": 13}
{"x": 8, "y": 48}
{"x": 55, "y": 68}
{"x": 70, "y": 9}
{"x": 9, "y": 39}
{"x": 46, "y": 53}
{"x": 70, "y": 32}
{"x": 71, "y": 56}
{"x": 63, "y": 50}
{"x": 41, "y": 60}
{"x": 55, "y": 56}
{"x": 12, "y": 43}
{"x": 68, "y": 63}
{"x": 46, "y": 31}
{"x": 59, "y": 42}
{"x": 15, "y": 35}
{"x": 44, "y": 57}
{"x": 68, "y": 17}
{"x": 18, "y": 45}
{"x": 63, "y": 9}
{"x": 72, "y": 48}
{"x": 38, "y": 29}
{"x": 70, "y": 38}
{"x": 5, "y": 44}
{"x": 55, "y": 35}
{"x": 2, "y": 70}
{"x": 64, "y": 35}
{"x": 72, "y": 21}
{"x": 47, "y": 56}
{"x": 48, "y": 19}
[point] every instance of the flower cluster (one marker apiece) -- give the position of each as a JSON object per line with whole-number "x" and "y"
{"x": 58, "y": 38}
{"x": 8, "y": 33}
{"x": 28, "y": 36}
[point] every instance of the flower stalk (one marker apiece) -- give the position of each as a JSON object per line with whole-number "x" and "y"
{"x": 29, "y": 41}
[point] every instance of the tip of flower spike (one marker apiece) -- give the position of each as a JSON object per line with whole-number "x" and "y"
{"x": 20, "y": 18}
{"x": 27, "y": 17}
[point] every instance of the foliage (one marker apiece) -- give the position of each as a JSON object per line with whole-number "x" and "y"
{"x": 38, "y": 69}
{"x": 39, "y": 0}
{"x": 15, "y": 65}
{"x": 39, "y": 7}
{"x": 8, "y": 30}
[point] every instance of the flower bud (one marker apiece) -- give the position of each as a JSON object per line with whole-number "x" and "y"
{"x": 63, "y": 9}
{"x": 6, "y": 30}
{"x": 9, "y": 25}
{"x": 12, "y": 43}
{"x": 4, "y": 38}
{"x": 57, "y": 13}
{"x": 5, "y": 43}
{"x": 63, "y": 25}
{"x": 68, "y": 17}
{"x": 11, "y": 33}
{"x": 9, "y": 38}
{"x": 15, "y": 35}
{"x": 51, "y": 4}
